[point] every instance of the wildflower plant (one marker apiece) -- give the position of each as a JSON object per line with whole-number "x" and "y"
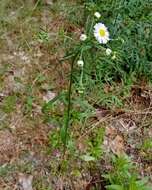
{"x": 93, "y": 45}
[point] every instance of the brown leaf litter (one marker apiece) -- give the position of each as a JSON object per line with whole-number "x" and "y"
{"x": 7, "y": 146}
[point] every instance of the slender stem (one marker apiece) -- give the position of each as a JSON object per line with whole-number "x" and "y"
{"x": 36, "y": 4}
{"x": 81, "y": 77}
{"x": 67, "y": 122}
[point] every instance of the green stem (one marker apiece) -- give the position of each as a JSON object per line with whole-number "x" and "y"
{"x": 36, "y": 4}
{"x": 81, "y": 78}
{"x": 67, "y": 122}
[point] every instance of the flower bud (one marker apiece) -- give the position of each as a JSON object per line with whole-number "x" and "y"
{"x": 97, "y": 14}
{"x": 108, "y": 51}
{"x": 83, "y": 37}
{"x": 80, "y": 63}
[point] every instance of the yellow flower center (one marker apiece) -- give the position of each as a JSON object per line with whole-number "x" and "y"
{"x": 102, "y": 32}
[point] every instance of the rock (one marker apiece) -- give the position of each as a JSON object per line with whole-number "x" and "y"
{"x": 25, "y": 181}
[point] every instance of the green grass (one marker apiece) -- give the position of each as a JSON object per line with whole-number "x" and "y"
{"x": 8, "y": 104}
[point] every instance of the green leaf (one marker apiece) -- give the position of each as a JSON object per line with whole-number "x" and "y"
{"x": 87, "y": 158}
{"x": 114, "y": 187}
{"x": 48, "y": 105}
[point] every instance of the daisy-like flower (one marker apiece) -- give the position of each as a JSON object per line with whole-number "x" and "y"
{"x": 108, "y": 51}
{"x": 83, "y": 37}
{"x": 97, "y": 14}
{"x": 101, "y": 33}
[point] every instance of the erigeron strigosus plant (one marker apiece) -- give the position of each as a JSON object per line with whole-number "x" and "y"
{"x": 92, "y": 40}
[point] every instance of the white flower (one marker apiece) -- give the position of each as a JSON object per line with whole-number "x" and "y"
{"x": 83, "y": 37}
{"x": 108, "y": 51}
{"x": 80, "y": 63}
{"x": 97, "y": 14}
{"x": 101, "y": 33}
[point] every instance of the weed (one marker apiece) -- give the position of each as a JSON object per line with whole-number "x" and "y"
{"x": 95, "y": 144}
{"x": 147, "y": 144}
{"x": 5, "y": 170}
{"x": 124, "y": 176}
{"x": 9, "y": 103}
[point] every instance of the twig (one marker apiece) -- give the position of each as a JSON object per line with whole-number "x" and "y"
{"x": 110, "y": 118}
{"x": 95, "y": 125}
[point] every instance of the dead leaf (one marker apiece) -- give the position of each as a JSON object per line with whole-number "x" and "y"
{"x": 127, "y": 125}
{"x": 117, "y": 145}
{"x": 49, "y": 96}
{"x": 7, "y": 145}
{"x": 101, "y": 112}
{"x": 110, "y": 131}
